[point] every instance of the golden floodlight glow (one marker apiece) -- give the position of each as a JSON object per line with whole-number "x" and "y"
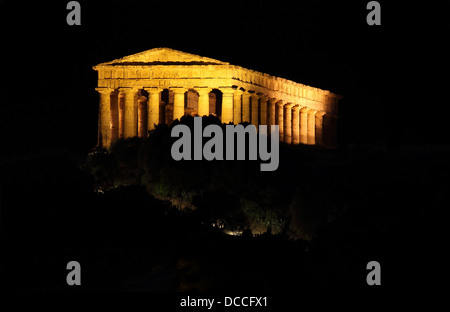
{"x": 160, "y": 85}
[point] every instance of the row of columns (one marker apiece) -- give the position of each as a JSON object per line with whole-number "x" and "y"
{"x": 297, "y": 123}
{"x": 125, "y": 118}
{"x": 303, "y": 125}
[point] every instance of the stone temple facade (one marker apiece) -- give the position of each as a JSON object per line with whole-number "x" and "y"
{"x": 160, "y": 85}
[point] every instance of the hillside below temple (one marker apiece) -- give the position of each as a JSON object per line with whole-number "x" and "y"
{"x": 160, "y": 85}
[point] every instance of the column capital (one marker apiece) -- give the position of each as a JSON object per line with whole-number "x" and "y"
{"x": 312, "y": 111}
{"x": 105, "y": 90}
{"x": 127, "y": 89}
{"x": 254, "y": 95}
{"x": 263, "y": 96}
{"x": 320, "y": 114}
{"x": 178, "y": 90}
{"x": 227, "y": 90}
{"x": 289, "y": 105}
{"x": 280, "y": 103}
{"x": 304, "y": 109}
{"x": 272, "y": 100}
{"x": 153, "y": 90}
{"x": 296, "y": 107}
{"x": 203, "y": 90}
{"x": 238, "y": 92}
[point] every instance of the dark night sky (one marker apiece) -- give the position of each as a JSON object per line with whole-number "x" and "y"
{"x": 47, "y": 86}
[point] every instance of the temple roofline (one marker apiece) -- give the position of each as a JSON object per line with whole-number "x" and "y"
{"x": 158, "y": 53}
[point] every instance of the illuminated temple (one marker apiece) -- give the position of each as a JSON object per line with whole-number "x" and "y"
{"x": 160, "y": 85}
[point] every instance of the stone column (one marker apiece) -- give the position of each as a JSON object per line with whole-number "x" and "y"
{"x": 121, "y": 100}
{"x": 246, "y": 107}
{"x": 114, "y": 116}
{"x": 104, "y": 116}
{"x": 227, "y": 105}
{"x": 178, "y": 102}
{"x": 154, "y": 98}
{"x": 130, "y": 112}
{"x": 311, "y": 127}
{"x": 272, "y": 112}
{"x": 304, "y": 125}
{"x": 263, "y": 110}
{"x": 203, "y": 101}
{"x": 237, "y": 109}
{"x": 142, "y": 117}
{"x": 288, "y": 123}
{"x": 280, "y": 118}
{"x": 296, "y": 124}
{"x": 255, "y": 110}
{"x": 319, "y": 128}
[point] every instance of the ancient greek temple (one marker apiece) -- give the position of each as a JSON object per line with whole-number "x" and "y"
{"x": 160, "y": 85}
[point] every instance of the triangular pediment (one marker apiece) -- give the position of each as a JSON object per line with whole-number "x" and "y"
{"x": 164, "y": 56}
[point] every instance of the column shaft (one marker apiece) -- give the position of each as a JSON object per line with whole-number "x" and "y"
{"x": 311, "y": 127}
{"x": 154, "y": 96}
{"x": 255, "y": 110}
{"x": 246, "y": 107}
{"x": 296, "y": 125}
{"x": 227, "y": 105}
{"x": 288, "y": 123}
{"x": 104, "y": 117}
{"x": 203, "y": 102}
{"x": 178, "y": 103}
{"x": 263, "y": 109}
{"x": 304, "y": 125}
{"x": 142, "y": 118}
{"x": 272, "y": 112}
{"x": 121, "y": 100}
{"x": 279, "y": 119}
{"x": 114, "y": 116}
{"x": 130, "y": 113}
{"x": 319, "y": 128}
{"x": 237, "y": 109}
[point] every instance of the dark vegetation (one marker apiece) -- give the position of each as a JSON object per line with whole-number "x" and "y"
{"x": 235, "y": 195}
{"x": 321, "y": 217}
